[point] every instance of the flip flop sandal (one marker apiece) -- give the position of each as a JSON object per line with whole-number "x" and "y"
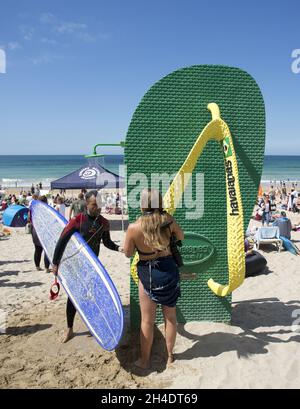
{"x": 195, "y": 121}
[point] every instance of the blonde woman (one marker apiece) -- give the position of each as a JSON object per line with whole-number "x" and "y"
{"x": 158, "y": 273}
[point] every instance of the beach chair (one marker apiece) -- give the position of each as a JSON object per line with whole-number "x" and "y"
{"x": 268, "y": 235}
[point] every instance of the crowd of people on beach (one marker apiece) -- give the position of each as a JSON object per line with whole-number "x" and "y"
{"x": 112, "y": 202}
{"x": 152, "y": 244}
{"x": 156, "y": 255}
{"x": 60, "y": 204}
{"x": 273, "y": 206}
{"x": 151, "y": 235}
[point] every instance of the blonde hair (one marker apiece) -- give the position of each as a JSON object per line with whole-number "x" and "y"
{"x": 152, "y": 219}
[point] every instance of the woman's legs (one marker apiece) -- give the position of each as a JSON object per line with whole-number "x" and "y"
{"x": 171, "y": 330}
{"x": 46, "y": 262}
{"x": 37, "y": 256}
{"x": 265, "y": 218}
{"x": 71, "y": 311}
{"x": 148, "y": 314}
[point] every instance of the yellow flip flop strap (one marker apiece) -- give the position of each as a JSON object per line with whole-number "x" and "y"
{"x": 217, "y": 130}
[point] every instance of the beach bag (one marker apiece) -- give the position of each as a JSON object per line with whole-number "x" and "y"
{"x": 174, "y": 244}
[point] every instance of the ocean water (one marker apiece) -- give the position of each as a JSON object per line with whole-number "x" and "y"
{"x": 18, "y": 171}
{"x": 285, "y": 168}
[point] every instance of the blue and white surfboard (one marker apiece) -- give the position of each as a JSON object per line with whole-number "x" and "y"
{"x": 290, "y": 246}
{"x": 83, "y": 277}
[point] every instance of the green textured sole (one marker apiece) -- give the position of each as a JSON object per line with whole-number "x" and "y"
{"x": 162, "y": 132}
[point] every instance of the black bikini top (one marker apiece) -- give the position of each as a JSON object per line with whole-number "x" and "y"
{"x": 142, "y": 253}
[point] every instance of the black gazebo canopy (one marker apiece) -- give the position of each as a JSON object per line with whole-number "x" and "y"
{"x": 91, "y": 176}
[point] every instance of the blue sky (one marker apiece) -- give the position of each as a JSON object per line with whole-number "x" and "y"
{"x": 76, "y": 70}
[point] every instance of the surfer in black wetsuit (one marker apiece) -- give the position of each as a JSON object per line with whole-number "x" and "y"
{"x": 94, "y": 228}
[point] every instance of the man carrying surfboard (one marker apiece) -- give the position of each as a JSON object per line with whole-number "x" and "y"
{"x": 94, "y": 228}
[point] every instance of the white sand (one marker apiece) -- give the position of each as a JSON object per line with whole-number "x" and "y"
{"x": 259, "y": 350}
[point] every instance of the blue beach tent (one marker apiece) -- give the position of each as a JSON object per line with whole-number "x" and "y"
{"x": 15, "y": 216}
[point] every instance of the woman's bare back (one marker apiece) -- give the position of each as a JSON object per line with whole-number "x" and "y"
{"x": 150, "y": 252}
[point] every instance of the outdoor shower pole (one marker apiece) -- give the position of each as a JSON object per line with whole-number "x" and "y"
{"x": 97, "y": 155}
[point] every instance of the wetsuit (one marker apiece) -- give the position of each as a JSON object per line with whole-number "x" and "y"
{"x": 38, "y": 247}
{"x": 38, "y": 250}
{"x": 93, "y": 230}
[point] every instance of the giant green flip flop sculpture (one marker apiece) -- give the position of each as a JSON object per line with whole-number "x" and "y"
{"x": 189, "y": 125}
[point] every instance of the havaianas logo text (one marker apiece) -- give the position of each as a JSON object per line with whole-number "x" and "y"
{"x": 231, "y": 189}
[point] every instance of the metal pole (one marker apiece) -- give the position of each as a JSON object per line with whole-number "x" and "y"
{"x": 94, "y": 154}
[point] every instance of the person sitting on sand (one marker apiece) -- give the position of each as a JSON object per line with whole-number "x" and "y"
{"x": 94, "y": 228}
{"x": 158, "y": 273}
{"x": 285, "y": 225}
{"x": 295, "y": 205}
{"x": 4, "y": 205}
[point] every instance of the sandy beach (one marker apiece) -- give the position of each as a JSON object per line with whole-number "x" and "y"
{"x": 145, "y": 112}
{"x": 74, "y": 193}
{"x": 258, "y": 350}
